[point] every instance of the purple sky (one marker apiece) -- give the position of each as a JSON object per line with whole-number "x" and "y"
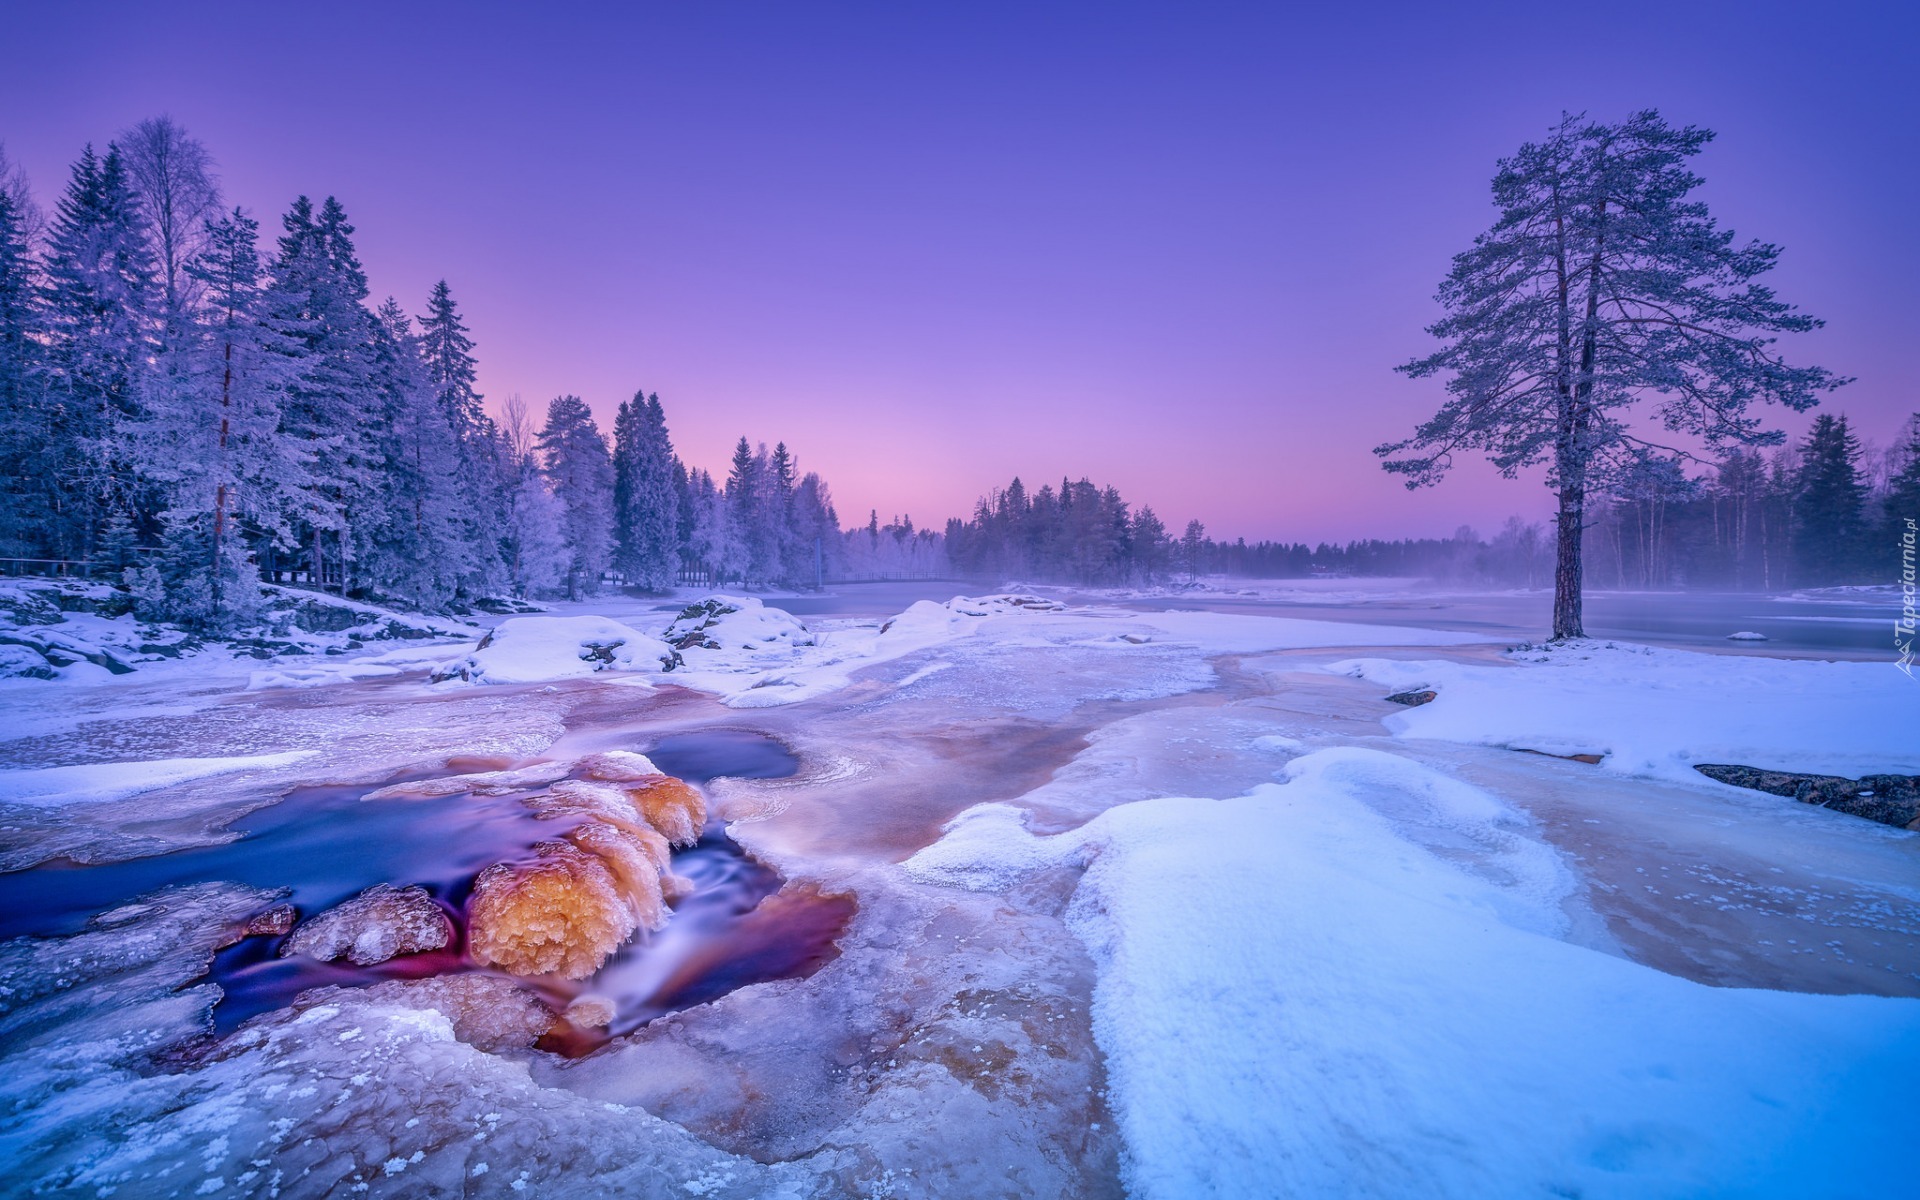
{"x": 1175, "y": 250}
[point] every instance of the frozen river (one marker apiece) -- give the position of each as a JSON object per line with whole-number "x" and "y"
{"x": 1156, "y": 896}
{"x": 1837, "y": 625}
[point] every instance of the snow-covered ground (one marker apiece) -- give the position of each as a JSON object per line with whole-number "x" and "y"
{"x": 1167, "y": 902}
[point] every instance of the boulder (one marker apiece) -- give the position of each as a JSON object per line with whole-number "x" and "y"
{"x": 1414, "y": 699}
{"x": 1888, "y": 799}
{"x": 378, "y": 924}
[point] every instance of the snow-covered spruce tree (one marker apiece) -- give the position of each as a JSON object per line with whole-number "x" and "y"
{"x": 574, "y": 459}
{"x": 421, "y": 548}
{"x": 1901, "y": 503}
{"x": 210, "y": 438}
{"x": 747, "y": 513}
{"x": 1829, "y": 505}
{"x": 25, "y": 500}
{"x": 646, "y": 505}
{"x": 97, "y": 292}
{"x": 1600, "y": 291}
{"x": 334, "y": 403}
{"x": 448, "y": 352}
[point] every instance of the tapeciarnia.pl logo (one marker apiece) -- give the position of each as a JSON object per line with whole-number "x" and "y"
{"x": 1903, "y": 629}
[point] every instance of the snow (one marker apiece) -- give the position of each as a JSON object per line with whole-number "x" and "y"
{"x": 542, "y": 649}
{"x": 101, "y": 783}
{"x": 1655, "y": 712}
{"x": 1353, "y": 983}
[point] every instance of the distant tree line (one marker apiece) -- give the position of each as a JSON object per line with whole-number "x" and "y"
{"x": 189, "y": 412}
{"x": 1818, "y": 513}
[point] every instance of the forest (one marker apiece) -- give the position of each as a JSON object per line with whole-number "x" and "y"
{"x": 189, "y": 409}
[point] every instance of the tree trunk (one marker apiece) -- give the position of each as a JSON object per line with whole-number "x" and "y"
{"x": 1566, "y": 565}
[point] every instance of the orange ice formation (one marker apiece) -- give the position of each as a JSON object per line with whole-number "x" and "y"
{"x": 581, "y": 896}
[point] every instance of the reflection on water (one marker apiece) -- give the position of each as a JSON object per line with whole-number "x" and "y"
{"x": 324, "y": 845}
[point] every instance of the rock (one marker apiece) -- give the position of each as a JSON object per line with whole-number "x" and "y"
{"x": 672, "y": 806}
{"x": 271, "y": 923}
{"x": 23, "y": 662}
{"x": 1414, "y": 699}
{"x": 619, "y": 766}
{"x": 487, "y": 1012}
{"x": 1888, "y": 799}
{"x": 374, "y": 926}
{"x": 591, "y": 1012}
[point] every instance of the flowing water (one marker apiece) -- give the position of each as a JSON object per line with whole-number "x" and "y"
{"x": 325, "y": 844}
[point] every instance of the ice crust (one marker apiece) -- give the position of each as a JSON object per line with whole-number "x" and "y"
{"x": 101, "y": 783}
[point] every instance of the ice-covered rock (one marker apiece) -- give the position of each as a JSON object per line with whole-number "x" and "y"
{"x": 481, "y": 783}
{"x": 722, "y": 623}
{"x": 617, "y": 766}
{"x": 487, "y": 1012}
{"x": 562, "y": 913}
{"x": 378, "y": 924}
{"x": 537, "y": 649}
{"x": 601, "y": 802}
{"x": 992, "y": 606}
{"x": 632, "y": 865}
{"x": 672, "y": 806}
{"x": 592, "y": 1012}
{"x": 274, "y": 922}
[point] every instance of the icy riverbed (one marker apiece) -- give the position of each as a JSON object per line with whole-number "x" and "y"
{"x": 1164, "y": 903}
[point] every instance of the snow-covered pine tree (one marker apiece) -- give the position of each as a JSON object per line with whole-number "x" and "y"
{"x": 1829, "y": 505}
{"x": 1150, "y": 547}
{"x": 453, "y": 372}
{"x": 25, "y": 431}
{"x": 574, "y": 459}
{"x": 335, "y": 402}
{"x": 97, "y": 290}
{"x": 422, "y": 548}
{"x": 1902, "y": 500}
{"x": 1601, "y": 291}
{"x": 210, "y": 441}
{"x": 646, "y": 503}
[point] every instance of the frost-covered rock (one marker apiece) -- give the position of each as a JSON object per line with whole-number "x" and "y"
{"x": 487, "y": 1012}
{"x": 993, "y": 606}
{"x": 378, "y": 924}
{"x": 538, "y": 649}
{"x": 723, "y": 623}
{"x": 564, "y": 913}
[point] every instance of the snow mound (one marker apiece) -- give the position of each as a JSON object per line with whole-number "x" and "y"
{"x": 378, "y": 924}
{"x": 723, "y": 623}
{"x": 1657, "y": 712}
{"x": 1350, "y": 983}
{"x": 539, "y": 649}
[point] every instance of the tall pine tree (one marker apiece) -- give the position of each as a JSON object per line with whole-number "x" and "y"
{"x": 646, "y": 503}
{"x": 574, "y": 459}
{"x": 1829, "y": 505}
